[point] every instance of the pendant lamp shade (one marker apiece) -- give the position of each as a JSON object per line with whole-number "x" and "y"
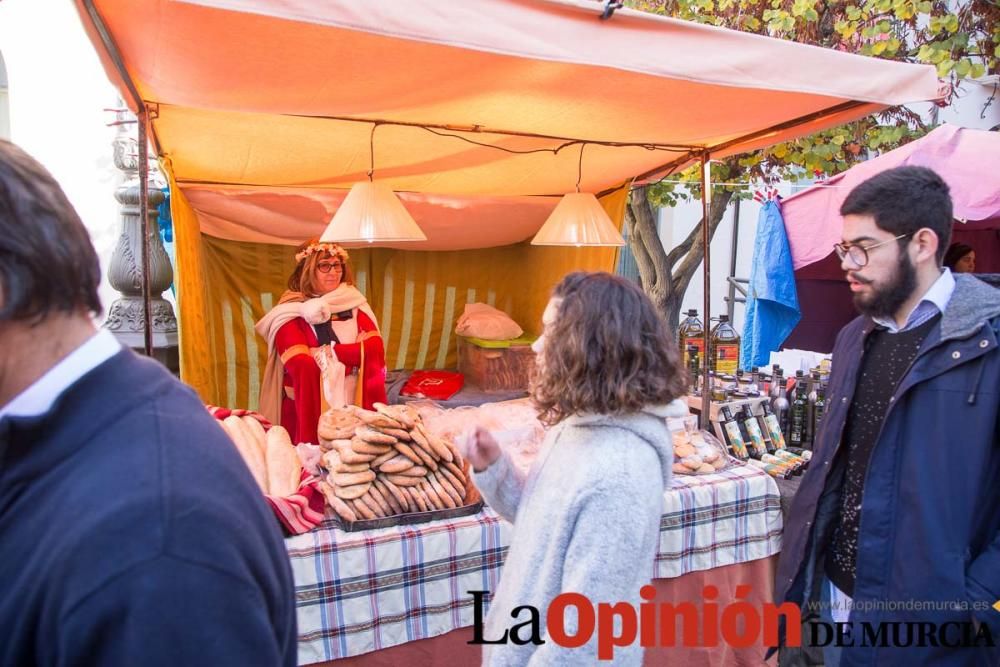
{"x": 578, "y": 220}
{"x": 370, "y": 213}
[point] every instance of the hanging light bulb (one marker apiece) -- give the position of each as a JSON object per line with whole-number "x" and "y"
{"x": 579, "y": 220}
{"x": 371, "y": 212}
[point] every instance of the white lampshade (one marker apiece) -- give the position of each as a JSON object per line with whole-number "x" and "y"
{"x": 578, "y": 220}
{"x": 372, "y": 212}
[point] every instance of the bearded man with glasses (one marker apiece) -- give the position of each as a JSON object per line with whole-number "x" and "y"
{"x": 323, "y": 342}
{"x": 896, "y": 520}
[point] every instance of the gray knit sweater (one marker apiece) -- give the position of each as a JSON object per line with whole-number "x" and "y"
{"x": 586, "y": 520}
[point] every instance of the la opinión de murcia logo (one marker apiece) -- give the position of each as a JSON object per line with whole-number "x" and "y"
{"x": 739, "y": 624}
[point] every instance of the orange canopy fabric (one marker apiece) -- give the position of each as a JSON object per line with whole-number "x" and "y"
{"x": 265, "y": 108}
{"x": 265, "y": 112}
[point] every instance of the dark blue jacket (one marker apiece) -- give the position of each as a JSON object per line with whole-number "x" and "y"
{"x": 132, "y": 534}
{"x": 930, "y": 518}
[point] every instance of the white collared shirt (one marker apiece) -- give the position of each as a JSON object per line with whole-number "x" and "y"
{"x": 37, "y": 399}
{"x": 935, "y": 300}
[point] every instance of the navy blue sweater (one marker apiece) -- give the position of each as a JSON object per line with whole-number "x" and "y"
{"x": 131, "y": 533}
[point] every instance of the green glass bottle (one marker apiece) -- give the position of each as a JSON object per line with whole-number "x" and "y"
{"x": 797, "y": 411}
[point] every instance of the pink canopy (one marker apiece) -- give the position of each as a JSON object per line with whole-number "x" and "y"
{"x": 968, "y": 160}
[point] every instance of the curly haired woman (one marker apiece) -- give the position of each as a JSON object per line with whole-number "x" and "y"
{"x": 321, "y": 310}
{"x": 587, "y": 516}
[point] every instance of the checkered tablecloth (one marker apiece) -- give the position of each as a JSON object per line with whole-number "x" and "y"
{"x": 361, "y": 592}
{"x": 728, "y": 517}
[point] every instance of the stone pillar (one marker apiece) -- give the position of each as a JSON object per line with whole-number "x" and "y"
{"x": 125, "y": 317}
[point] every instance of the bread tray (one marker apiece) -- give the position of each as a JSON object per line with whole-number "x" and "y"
{"x": 407, "y": 519}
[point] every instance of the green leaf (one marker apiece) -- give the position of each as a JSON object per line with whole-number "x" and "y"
{"x": 878, "y": 48}
{"x": 963, "y": 67}
{"x": 944, "y": 68}
{"x": 839, "y": 139}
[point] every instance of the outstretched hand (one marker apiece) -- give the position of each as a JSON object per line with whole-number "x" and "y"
{"x": 480, "y": 448}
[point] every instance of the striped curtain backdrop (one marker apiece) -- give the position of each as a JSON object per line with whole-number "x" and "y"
{"x": 225, "y": 286}
{"x": 416, "y": 296}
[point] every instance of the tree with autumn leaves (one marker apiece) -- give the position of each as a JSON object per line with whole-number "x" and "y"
{"x": 961, "y": 41}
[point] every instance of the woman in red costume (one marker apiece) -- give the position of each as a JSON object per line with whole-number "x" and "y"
{"x": 322, "y": 320}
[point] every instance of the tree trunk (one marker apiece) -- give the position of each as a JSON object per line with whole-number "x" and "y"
{"x": 665, "y": 276}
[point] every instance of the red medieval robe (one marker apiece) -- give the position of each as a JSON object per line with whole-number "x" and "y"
{"x": 302, "y": 400}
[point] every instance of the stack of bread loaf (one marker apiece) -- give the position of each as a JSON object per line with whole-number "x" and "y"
{"x": 270, "y": 454}
{"x": 385, "y": 462}
{"x": 693, "y": 456}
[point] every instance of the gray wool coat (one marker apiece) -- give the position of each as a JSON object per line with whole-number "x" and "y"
{"x": 586, "y": 520}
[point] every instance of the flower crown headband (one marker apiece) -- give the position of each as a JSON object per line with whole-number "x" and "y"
{"x": 331, "y": 248}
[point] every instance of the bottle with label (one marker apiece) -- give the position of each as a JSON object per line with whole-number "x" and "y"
{"x": 691, "y": 333}
{"x": 779, "y": 400}
{"x": 804, "y": 454}
{"x": 797, "y": 412}
{"x": 694, "y": 367}
{"x": 773, "y": 426}
{"x": 818, "y": 405}
{"x": 754, "y": 437}
{"x": 778, "y": 461}
{"x": 772, "y": 470}
{"x": 725, "y": 351}
{"x": 734, "y": 435}
{"x": 772, "y": 385}
{"x": 754, "y": 380}
{"x": 794, "y": 459}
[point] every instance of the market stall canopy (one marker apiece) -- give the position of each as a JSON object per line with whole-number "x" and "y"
{"x": 263, "y": 110}
{"x": 968, "y": 161}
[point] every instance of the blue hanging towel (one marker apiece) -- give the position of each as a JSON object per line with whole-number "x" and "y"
{"x": 772, "y": 308}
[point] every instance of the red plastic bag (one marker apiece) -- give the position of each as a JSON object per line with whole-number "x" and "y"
{"x": 435, "y": 385}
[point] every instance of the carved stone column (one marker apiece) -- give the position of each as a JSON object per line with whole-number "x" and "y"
{"x": 125, "y": 317}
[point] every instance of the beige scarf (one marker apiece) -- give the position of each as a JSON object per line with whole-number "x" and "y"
{"x": 345, "y": 297}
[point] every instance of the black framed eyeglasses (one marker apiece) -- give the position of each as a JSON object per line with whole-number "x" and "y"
{"x": 859, "y": 253}
{"x": 326, "y": 267}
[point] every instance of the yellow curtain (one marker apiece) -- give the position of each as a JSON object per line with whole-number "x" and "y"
{"x": 224, "y": 287}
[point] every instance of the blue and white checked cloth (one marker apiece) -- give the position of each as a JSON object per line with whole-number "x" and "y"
{"x": 361, "y": 592}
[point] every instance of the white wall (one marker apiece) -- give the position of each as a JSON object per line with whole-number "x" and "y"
{"x": 58, "y": 92}
{"x": 968, "y": 108}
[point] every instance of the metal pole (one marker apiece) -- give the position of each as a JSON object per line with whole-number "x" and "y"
{"x": 706, "y": 200}
{"x": 732, "y": 259}
{"x": 147, "y": 305}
